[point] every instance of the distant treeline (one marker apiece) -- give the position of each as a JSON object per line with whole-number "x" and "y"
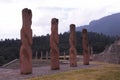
{"x": 9, "y": 48}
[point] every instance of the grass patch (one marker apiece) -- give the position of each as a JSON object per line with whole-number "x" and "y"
{"x": 103, "y": 72}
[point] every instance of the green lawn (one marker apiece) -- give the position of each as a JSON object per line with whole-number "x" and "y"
{"x": 103, "y": 72}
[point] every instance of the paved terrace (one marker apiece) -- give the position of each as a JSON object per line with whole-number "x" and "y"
{"x": 14, "y": 74}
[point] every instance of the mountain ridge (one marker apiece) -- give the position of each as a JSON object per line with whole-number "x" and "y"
{"x": 108, "y": 25}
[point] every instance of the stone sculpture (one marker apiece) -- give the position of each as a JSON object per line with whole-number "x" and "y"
{"x": 54, "y": 40}
{"x": 41, "y": 56}
{"x": 36, "y": 55}
{"x": 26, "y": 40}
{"x": 85, "y": 47}
{"x": 47, "y": 56}
{"x": 72, "y": 41}
{"x": 64, "y": 56}
{"x": 90, "y": 51}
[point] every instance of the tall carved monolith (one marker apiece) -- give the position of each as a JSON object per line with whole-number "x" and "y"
{"x": 54, "y": 40}
{"x": 64, "y": 56}
{"x": 41, "y": 55}
{"x": 72, "y": 50}
{"x": 47, "y": 56}
{"x": 26, "y": 42}
{"x": 36, "y": 55}
{"x": 90, "y": 53}
{"x": 85, "y": 47}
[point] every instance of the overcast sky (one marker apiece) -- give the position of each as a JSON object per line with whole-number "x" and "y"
{"x": 79, "y": 12}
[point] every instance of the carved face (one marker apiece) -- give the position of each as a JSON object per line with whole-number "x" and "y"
{"x": 54, "y": 24}
{"x": 84, "y": 31}
{"x": 72, "y": 28}
{"x": 54, "y": 21}
{"x": 27, "y": 17}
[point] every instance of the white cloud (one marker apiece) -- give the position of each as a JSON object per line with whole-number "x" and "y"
{"x": 79, "y": 12}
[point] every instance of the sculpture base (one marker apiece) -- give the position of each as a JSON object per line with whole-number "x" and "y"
{"x": 86, "y": 63}
{"x": 26, "y": 73}
{"x": 55, "y": 68}
{"x": 73, "y": 65}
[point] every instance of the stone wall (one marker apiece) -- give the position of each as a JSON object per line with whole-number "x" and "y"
{"x": 111, "y": 54}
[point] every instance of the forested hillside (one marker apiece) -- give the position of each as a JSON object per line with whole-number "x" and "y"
{"x": 9, "y": 48}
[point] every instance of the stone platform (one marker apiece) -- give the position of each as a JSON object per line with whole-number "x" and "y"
{"x": 14, "y": 74}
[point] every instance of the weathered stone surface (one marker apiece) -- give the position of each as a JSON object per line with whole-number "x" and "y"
{"x": 111, "y": 54}
{"x": 26, "y": 40}
{"x": 36, "y": 55}
{"x": 72, "y": 50}
{"x": 41, "y": 55}
{"x": 54, "y": 40}
{"x": 64, "y": 56}
{"x": 85, "y": 47}
{"x": 47, "y": 55}
{"x": 90, "y": 52}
